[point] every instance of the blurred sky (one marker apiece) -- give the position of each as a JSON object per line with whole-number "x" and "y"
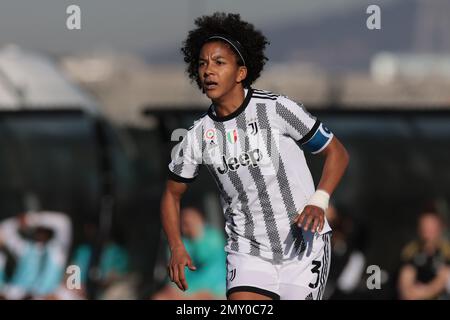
{"x": 142, "y": 25}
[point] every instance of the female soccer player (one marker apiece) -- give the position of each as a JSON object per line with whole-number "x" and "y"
{"x": 252, "y": 142}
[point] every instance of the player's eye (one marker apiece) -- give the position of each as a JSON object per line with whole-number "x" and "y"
{"x": 219, "y": 62}
{"x": 201, "y": 63}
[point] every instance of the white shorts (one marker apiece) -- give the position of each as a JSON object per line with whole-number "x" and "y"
{"x": 302, "y": 277}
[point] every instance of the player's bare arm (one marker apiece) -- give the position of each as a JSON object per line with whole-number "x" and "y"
{"x": 411, "y": 289}
{"x": 336, "y": 161}
{"x": 437, "y": 285}
{"x": 170, "y": 218}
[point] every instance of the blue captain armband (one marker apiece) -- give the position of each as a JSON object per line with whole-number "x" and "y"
{"x": 319, "y": 140}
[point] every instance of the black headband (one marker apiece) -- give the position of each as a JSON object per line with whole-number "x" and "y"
{"x": 234, "y": 43}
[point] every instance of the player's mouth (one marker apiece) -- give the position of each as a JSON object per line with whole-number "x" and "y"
{"x": 210, "y": 85}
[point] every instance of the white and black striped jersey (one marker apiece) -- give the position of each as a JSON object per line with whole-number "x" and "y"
{"x": 256, "y": 158}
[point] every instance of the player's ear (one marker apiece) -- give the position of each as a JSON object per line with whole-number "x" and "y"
{"x": 242, "y": 74}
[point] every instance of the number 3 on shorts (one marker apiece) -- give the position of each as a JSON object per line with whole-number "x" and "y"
{"x": 315, "y": 269}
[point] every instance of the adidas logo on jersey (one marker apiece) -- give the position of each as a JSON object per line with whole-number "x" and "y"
{"x": 244, "y": 159}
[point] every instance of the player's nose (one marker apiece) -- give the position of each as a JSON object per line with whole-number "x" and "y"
{"x": 208, "y": 71}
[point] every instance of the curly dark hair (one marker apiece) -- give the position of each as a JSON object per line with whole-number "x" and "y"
{"x": 231, "y": 26}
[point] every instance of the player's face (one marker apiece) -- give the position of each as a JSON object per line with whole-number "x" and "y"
{"x": 218, "y": 70}
{"x": 430, "y": 228}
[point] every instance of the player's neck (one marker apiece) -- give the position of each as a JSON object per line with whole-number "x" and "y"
{"x": 431, "y": 246}
{"x": 230, "y": 102}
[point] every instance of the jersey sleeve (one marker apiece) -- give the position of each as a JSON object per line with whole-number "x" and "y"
{"x": 187, "y": 156}
{"x": 409, "y": 253}
{"x": 297, "y": 123}
{"x": 9, "y": 230}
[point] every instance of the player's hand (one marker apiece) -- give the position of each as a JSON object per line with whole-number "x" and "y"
{"x": 178, "y": 261}
{"x": 311, "y": 216}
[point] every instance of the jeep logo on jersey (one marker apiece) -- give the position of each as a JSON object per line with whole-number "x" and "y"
{"x": 244, "y": 159}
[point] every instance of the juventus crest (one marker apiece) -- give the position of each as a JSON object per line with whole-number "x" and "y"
{"x": 253, "y": 127}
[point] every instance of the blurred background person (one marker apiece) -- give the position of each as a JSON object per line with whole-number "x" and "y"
{"x": 204, "y": 244}
{"x": 347, "y": 255}
{"x": 102, "y": 266}
{"x": 7, "y": 265}
{"x": 40, "y": 243}
{"x": 425, "y": 271}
